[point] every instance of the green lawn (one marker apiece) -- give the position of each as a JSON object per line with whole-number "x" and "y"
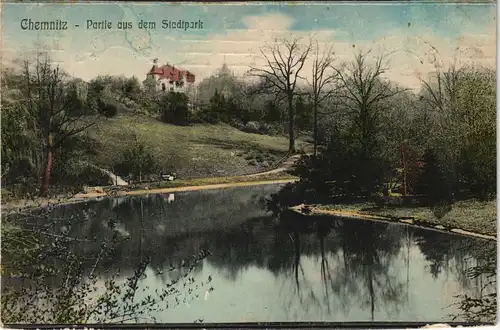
{"x": 193, "y": 151}
{"x": 471, "y": 215}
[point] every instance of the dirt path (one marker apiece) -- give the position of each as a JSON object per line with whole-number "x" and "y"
{"x": 285, "y": 166}
{"x": 117, "y": 181}
{"x": 203, "y": 187}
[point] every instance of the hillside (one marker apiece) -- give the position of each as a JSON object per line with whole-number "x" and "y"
{"x": 199, "y": 150}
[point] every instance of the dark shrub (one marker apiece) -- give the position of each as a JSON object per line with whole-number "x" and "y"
{"x": 252, "y": 127}
{"x": 107, "y": 109}
{"x": 207, "y": 116}
{"x": 175, "y": 109}
{"x": 433, "y": 180}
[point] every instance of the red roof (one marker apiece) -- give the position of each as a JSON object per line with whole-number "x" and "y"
{"x": 171, "y": 73}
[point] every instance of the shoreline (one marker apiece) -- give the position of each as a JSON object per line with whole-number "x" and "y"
{"x": 408, "y": 221}
{"x": 200, "y": 187}
{"x": 312, "y": 210}
{"x": 275, "y": 175}
{"x": 84, "y": 197}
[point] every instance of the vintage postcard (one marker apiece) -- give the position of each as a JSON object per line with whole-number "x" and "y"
{"x": 248, "y": 162}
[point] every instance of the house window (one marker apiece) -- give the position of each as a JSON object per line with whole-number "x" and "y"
{"x": 163, "y": 87}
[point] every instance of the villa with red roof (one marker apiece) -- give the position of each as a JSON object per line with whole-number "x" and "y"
{"x": 170, "y": 78}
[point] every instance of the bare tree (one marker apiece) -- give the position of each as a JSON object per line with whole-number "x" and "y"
{"x": 444, "y": 94}
{"x": 321, "y": 84}
{"x": 52, "y": 106}
{"x": 284, "y": 61}
{"x": 439, "y": 94}
{"x": 362, "y": 91}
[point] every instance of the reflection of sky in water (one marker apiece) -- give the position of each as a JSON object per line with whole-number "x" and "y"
{"x": 252, "y": 265}
{"x": 257, "y": 295}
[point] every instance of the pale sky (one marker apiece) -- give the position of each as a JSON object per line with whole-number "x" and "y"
{"x": 416, "y": 37}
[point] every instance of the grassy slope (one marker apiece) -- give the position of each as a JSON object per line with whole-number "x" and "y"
{"x": 193, "y": 151}
{"x": 471, "y": 215}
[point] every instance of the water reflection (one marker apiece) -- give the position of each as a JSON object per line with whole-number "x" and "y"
{"x": 266, "y": 269}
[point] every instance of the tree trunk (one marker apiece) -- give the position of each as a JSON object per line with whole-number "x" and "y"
{"x": 403, "y": 157}
{"x": 291, "y": 126}
{"x": 48, "y": 167}
{"x": 315, "y": 129}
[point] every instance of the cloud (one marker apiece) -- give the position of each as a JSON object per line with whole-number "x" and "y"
{"x": 411, "y": 56}
{"x": 112, "y": 61}
{"x": 413, "y": 53}
{"x": 241, "y": 49}
{"x": 270, "y": 22}
{"x": 415, "y": 57}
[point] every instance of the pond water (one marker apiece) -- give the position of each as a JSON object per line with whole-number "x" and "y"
{"x": 259, "y": 268}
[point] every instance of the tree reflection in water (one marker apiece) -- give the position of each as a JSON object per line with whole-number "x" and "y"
{"x": 367, "y": 252}
{"x": 55, "y": 272}
{"x": 323, "y": 265}
{"x": 474, "y": 265}
{"x": 481, "y": 305}
{"x": 296, "y": 227}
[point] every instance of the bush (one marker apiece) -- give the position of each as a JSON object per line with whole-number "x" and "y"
{"x": 224, "y": 110}
{"x": 175, "y": 109}
{"x": 252, "y": 127}
{"x": 132, "y": 88}
{"x": 107, "y": 109}
{"x": 433, "y": 180}
{"x": 93, "y": 176}
{"x": 291, "y": 194}
{"x": 255, "y": 127}
{"x": 138, "y": 161}
{"x": 77, "y": 174}
{"x": 196, "y": 119}
{"x": 265, "y": 129}
{"x": 478, "y": 169}
{"x": 20, "y": 170}
{"x": 6, "y": 195}
{"x": 207, "y": 116}
{"x": 343, "y": 170}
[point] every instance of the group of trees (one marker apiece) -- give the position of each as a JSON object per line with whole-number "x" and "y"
{"x": 226, "y": 98}
{"x": 433, "y": 139}
{"x": 371, "y": 135}
{"x": 368, "y": 133}
{"x": 44, "y": 110}
{"x": 45, "y": 120}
